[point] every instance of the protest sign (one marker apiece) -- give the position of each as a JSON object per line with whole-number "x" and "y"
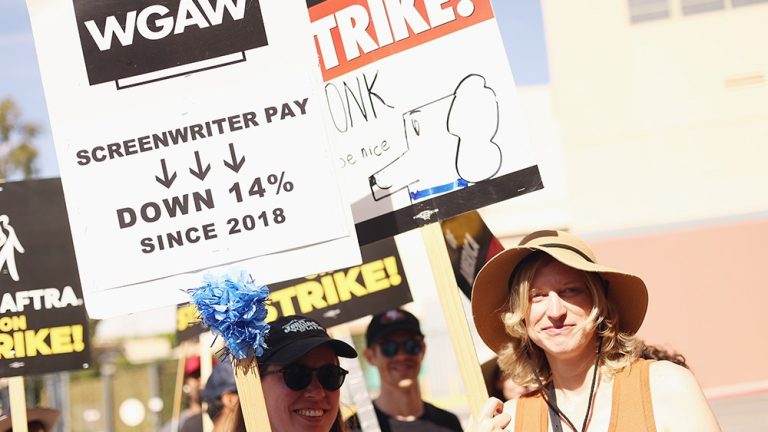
{"x": 423, "y": 105}
{"x": 336, "y": 297}
{"x": 333, "y": 297}
{"x": 422, "y": 102}
{"x": 188, "y": 324}
{"x": 43, "y": 325}
{"x": 470, "y": 245}
{"x": 189, "y": 136}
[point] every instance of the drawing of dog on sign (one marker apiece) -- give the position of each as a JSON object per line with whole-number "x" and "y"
{"x": 450, "y": 144}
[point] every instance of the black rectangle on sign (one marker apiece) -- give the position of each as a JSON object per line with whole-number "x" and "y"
{"x": 336, "y": 297}
{"x": 122, "y": 39}
{"x": 442, "y": 207}
{"x": 43, "y": 324}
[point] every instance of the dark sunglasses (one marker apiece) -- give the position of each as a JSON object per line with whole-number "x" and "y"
{"x": 298, "y": 377}
{"x": 390, "y": 348}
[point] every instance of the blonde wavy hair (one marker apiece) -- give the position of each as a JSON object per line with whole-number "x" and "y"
{"x": 618, "y": 349}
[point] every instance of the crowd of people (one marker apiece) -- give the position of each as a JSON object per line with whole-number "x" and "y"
{"x": 564, "y": 329}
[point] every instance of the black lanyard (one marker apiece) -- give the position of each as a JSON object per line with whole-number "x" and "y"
{"x": 556, "y": 416}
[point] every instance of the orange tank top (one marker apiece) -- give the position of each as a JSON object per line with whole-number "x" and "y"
{"x": 631, "y": 409}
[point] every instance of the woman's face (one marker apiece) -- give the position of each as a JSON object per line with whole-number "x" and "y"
{"x": 312, "y": 409}
{"x": 560, "y": 305}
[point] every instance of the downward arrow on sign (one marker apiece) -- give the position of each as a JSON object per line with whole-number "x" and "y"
{"x": 236, "y": 164}
{"x": 166, "y": 181}
{"x": 200, "y": 173}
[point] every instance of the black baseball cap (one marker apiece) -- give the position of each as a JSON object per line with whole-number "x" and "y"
{"x": 386, "y": 322}
{"x": 222, "y": 380}
{"x": 291, "y": 337}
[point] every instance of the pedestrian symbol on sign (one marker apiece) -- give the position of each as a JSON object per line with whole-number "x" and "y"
{"x": 9, "y": 244}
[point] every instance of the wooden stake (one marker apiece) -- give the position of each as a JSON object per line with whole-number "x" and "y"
{"x": 458, "y": 329}
{"x": 355, "y": 382}
{"x": 251, "y": 395}
{"x": 206, "y": 367}
{"x": 18, "y": 400}
{"x": 178, "y": 387}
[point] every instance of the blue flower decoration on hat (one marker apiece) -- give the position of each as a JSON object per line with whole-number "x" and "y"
{"x": 235, "y": 308}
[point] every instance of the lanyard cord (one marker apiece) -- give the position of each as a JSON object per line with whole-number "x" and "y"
{"x": 555, "y": 414}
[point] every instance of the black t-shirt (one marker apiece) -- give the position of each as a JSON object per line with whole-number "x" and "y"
{"x": 193, "y": 423}
{"x": 434, "y": 419}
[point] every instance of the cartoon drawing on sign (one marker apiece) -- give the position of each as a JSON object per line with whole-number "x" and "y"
{"x": 474, "y": 119}
{"x": 449, "y": 144}
{"x": 9, "y": 244}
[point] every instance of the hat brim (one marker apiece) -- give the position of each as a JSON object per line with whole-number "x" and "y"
{"x": 47, "y": 416}
{"x": 490, "y": 371}
{"x": 393, "y": 328}
{"x": 490, "y": 291}
{"x": 293, "y": 351}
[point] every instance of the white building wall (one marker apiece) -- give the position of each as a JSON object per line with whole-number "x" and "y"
{"x": 663, "y": 121}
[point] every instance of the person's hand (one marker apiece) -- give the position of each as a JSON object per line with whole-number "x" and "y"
{"x": 492, "y": 418}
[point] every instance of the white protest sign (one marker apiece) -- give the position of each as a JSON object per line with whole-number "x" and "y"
{"x": 189, "y": 135}
{"x": 422, "y": 102}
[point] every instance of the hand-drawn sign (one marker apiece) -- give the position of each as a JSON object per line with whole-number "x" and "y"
{"x": 43, "y": 325}
{"x": 423, "y": 104}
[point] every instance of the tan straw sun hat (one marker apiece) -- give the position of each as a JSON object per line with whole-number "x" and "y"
{"x": 490, "y": 291}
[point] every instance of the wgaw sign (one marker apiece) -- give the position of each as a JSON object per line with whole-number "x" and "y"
{"x": 122, "y": 39}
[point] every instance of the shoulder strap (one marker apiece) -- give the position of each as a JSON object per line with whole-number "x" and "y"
{"x": 531, "y": 414}
{"x": 632, "y": 409}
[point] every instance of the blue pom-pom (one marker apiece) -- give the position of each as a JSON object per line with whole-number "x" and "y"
{"x": 235, "y": 308}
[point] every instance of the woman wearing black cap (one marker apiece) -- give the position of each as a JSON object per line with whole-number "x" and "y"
{"x": 301, "y": 376}
{"x": 565, "y": 324}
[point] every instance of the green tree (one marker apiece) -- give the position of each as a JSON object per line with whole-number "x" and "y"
{"x": 17, "y": 150}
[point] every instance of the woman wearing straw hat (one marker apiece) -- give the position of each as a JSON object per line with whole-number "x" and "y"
{"x": 564, "y": 323}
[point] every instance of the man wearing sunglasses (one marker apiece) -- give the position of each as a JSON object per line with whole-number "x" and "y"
{"x": 395, "y": 346}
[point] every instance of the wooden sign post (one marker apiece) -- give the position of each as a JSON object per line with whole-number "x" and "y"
{"x": 18, "y": 401}
{"x": 206, "y": 367}
{"x": 179, "y": 386}
{"x": 252, "y": 400}
{"x": 458, "y": 330}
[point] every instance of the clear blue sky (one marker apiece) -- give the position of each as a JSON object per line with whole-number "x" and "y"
{"x": 519, "y": 20}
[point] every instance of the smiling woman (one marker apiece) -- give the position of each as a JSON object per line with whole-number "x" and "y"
{"x": 301, "y": 377}
{"x": 565, "y": 324}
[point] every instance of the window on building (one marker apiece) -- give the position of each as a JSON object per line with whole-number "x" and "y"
{"x": 747, "y": 2}
{"x": 648, "y": 10}
{"x": 691, "y": 7}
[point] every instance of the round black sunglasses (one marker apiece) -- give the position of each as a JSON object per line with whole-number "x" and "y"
{"x": 390, "y": 348}
{"x": 298, "y": 377}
